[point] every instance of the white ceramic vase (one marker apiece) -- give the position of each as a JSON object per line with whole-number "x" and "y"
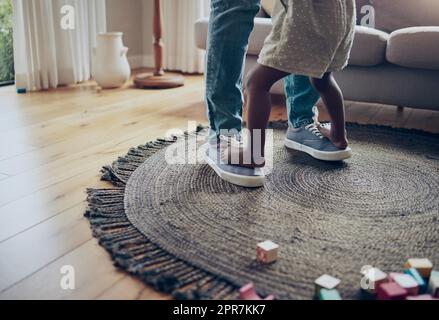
{"x": 112, "y": 69}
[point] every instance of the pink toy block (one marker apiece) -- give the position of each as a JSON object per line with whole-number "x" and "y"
{"x": 405, "y": 281}
{"x": 267, "y": 251}
{"x": 391, "y": 291}
{"x": 248, "y": 292}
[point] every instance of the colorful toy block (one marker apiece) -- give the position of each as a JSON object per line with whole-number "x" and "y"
{"x": 373, "y": 277}
{"x": 325, "y": 282}
{"x": 433, "y": 284}
{"x": 391, "y": 291}
{"x": 267, "y": 252}
{"x": 326, "y": 294}
{"x": 420, "y": 297}
{"x": 248, "y": 292}
{"x": 424, "y": 266}
{"x": 405, "y": 281}
{"x": 21, "y": 90}
{"x": 421, "y": 282}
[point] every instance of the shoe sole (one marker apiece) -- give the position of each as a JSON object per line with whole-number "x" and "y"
{"x": 236, "y": 179}
{"x": 320, "y": 155}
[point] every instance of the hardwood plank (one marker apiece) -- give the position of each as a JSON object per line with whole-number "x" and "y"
{"x": 23, "y": 184}
{"x": 10, "y": 149}
{"x": 102, "y": 113}
{"x": 130, "y": 288}
{"x": 423, "y": 120}
{"x": 21, "y": 215}
{"x": 94, "y": 274}
{"x": 392, "y": 116}
{"x": 39, "y": 246}
{"x": 80, "y": 142}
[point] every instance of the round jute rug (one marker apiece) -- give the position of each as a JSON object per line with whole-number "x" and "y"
{"x": 182, "y": 229}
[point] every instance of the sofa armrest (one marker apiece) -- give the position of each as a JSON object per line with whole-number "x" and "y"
{"x": 200, "y": 32}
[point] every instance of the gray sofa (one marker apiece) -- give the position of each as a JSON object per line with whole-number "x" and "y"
{"x": 395, "y": 63}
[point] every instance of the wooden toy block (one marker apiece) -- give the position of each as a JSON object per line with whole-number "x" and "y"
{"x": 326, "y": 294}
{"x": 248, "y": 292}
{"x": 424, "y": 266}
{"x": 267, "y": 252}
{"x": 391, "y": 291}
{"x": 421, "y": 282}
{"x": 421, "y": 297}
{"x": 433, "y": 284}
{"x": 373, "y": 277}
{"x": 325, "y": 282}
{"x": 98, "y": 89}
{"x": 405, "y": 281}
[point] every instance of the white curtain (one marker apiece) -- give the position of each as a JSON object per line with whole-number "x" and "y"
{"x": 181, "y": 52}
{"x": 46, "y": 54}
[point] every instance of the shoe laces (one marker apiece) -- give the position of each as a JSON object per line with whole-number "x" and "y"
{"x": 314, "y": 129}
{"x": 233, "y": 141}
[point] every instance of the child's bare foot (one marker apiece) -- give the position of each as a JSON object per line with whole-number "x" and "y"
{"x": 340, "y": 142}
{"x": 242, "y": 157}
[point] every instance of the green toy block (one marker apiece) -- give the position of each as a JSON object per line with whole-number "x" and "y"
{"x": 326, "y": 294}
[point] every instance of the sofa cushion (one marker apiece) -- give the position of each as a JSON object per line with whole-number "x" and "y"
{"x": 415, "y": 47}
{"x": 369, "y": 48}
{"x": 201, "y": 29}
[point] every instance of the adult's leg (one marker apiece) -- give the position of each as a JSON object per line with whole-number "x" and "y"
{"x": 301, "y": 98}
{"x": 333, "y": 99}
{"x": 231, "y": 22}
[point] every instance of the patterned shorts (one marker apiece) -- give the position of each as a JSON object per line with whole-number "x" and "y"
{"x": 310, "y": 37}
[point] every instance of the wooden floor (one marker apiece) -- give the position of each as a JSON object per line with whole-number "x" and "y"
{"x": 52, "y": 146}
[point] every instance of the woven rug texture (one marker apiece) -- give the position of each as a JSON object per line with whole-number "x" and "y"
{"x": 182, "y": 229}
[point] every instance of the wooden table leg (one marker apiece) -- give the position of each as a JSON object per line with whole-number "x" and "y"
{"x": 158, "y": 79}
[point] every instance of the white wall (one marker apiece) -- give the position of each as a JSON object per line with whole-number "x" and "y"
{"x": 134, "y": 19}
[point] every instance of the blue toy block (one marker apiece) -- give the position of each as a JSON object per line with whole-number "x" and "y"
{"x": 417, "y": 276}
{"x": 21, "y": 90}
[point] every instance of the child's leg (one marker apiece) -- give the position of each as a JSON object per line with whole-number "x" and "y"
{"x": 258, "y": 85}
{"x": 333, "y": 99}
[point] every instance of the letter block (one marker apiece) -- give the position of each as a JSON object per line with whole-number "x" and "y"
{"x": 248, "y": 292}
{"x": 424, "y": 266}
{"x": 325, "y": 282}
{"x": 405, "y": 281}
{"x": 267, "y": 252}
{"x": 391, "y": 291}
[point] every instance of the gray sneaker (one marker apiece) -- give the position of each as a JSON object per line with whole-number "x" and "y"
{"x": 309, "y": 139}
{"x": 244, "y": 177}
